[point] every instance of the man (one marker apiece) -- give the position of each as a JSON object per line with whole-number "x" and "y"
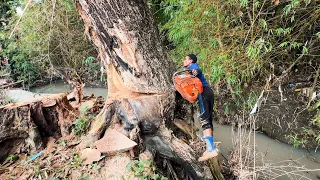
{"x": 206, "y": 107}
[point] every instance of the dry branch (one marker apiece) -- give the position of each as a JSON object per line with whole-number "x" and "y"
{"x": 11, "y": 84}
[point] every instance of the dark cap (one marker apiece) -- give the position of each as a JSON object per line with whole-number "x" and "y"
{"x": 193, "y": 57}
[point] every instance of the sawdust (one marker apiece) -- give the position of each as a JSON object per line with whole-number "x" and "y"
{"x": 115, "y": 168}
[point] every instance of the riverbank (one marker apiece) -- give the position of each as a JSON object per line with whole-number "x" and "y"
{"x": 281, "y": 116}
{"x": 270, "y": 154}
{"x": 281, "y": 113}
{"x": 271, "y": 150}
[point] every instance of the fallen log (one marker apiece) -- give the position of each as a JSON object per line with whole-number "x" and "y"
{"x": 215, "y": 168}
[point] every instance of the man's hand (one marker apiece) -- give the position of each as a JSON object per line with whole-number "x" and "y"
{"x": 194, "y": 72}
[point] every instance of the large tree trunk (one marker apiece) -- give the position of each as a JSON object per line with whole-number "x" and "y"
{"x": 140, "y": 91}
{"x": 139, "y": 70}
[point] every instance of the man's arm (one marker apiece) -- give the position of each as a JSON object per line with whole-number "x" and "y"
{"x": 196, "y": 71}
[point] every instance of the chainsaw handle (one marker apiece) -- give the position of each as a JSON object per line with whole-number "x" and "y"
{"x": 178, "y": 72}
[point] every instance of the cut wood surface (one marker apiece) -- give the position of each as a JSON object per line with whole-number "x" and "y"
{"x": 90, "y": 155}
{"x": 114, "y": 142}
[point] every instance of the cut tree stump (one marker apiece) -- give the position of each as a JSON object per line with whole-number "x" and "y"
{"x": 23, "y": 125}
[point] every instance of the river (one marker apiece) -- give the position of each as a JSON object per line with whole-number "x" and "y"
{"x": 274, "y": 152}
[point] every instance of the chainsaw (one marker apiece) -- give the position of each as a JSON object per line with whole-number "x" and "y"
{"x": 187, "y": 85}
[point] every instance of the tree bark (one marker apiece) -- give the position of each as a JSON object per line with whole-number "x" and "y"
{"x": 139, "y": 71}
{"x": 138, "y": 68}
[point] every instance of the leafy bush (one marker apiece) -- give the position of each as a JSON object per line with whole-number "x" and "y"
{"x": 143, "y": 169}
{"x": 50, "y": 37}
{"x": 238, "y": 40}
{"x": 80, "y": 125}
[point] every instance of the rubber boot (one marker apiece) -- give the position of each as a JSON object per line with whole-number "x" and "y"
{"x": 211, "y": 152}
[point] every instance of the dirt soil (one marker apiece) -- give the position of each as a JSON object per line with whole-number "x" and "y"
{"x": 61, "y": 160}
{"x": 281, "y": 115}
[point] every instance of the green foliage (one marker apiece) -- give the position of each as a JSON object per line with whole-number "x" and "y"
{"x": 235, "y": 40}
{"x": 144, "y": 170}
{"x": 63, "y": 143}
{"x": 75, "y": 161}
{"x": 296, "y": 142}
{"x": 91, "y": 69}
{"x": 10, "y": 158}
{"x": 80, "y": 125}
{"x": 87, "y": 177}
{"x": 50, "y": 36}
{"x": 9, "y": 48}
{"x": 318, "y": 139}
{"x": 316, "y": 120}
{"x": 226, "y": 109}
{"x": 5, "y": 101}
{"x": 251, "y": 101}
{"x": 96, "y": 166}
{"x": 7, "y": 11}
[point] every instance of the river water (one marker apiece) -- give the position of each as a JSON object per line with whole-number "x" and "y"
{"x": 274, "y": 152}
{"x": 61, "y": 87}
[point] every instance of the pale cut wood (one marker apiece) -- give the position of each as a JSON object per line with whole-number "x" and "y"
{"x": 114, "y": 142}
{"x": 90, "y": 155}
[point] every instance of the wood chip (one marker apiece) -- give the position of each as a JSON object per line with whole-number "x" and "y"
{"x": 90, "y": 155}
{"x": 113, "y": 142}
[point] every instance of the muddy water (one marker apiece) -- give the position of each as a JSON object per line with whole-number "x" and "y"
{"x": 275, "y": 152}
{"x": 272, "y": 150}
{"x": 61, "y": 87}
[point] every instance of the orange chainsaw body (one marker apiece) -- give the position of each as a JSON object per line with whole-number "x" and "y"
{"x": 187, "y": 85}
